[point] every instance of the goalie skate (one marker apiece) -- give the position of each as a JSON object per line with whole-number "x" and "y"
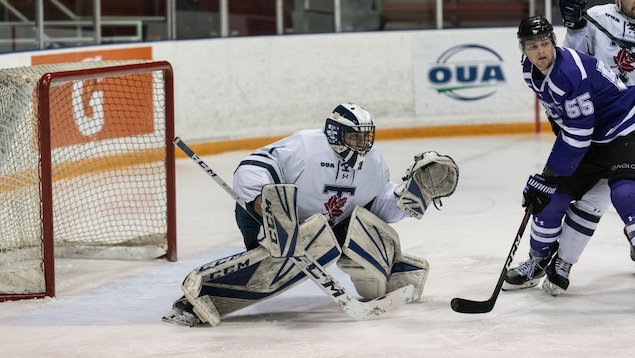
{"x": 182, "y": 314}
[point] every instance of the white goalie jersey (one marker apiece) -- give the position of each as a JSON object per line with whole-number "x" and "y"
{"x": 594, "y": 42}
{"x": 325, "y": 184}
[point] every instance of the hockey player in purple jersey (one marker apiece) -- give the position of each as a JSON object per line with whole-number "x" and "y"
{"x": 583, "y": 215}
{"x": 594, "y": 113}
{"x": 342, "y": 200}
{"x": 618, "y": 20}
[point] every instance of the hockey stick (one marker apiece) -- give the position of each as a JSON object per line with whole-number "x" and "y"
{"x": 463, "y": 305}
{"x": 356, "y": 309}
{"x": 607, "y": 33}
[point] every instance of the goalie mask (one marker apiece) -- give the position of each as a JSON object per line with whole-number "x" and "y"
{"x": 351, "y": 133}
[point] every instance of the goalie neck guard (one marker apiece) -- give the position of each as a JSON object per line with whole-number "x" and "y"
{"x": 351, "y": 133}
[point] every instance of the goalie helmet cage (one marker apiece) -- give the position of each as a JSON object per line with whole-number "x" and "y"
{"x": 86, "y": 168}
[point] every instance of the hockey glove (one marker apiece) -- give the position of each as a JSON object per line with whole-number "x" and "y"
{"x": 538, "y": 192}
{"x": 571, "y": 11}
{"x": 433, "y": 176}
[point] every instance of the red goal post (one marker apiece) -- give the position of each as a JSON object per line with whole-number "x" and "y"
{"x": 86, "y": 168}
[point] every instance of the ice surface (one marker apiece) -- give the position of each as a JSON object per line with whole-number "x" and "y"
{"x": 114, "y": 309}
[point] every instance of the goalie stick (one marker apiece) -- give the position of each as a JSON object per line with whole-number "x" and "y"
{"x": 355, "y": 308}
{"x": 463, "y": 305}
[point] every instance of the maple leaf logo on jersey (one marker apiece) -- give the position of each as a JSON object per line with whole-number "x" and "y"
{"x": 624, "y": 61}
{"x": 334, "y": 206}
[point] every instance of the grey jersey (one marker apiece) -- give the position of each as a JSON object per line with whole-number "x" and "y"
{"x": 592, "y": 41}
{"x": 325, "y": 184}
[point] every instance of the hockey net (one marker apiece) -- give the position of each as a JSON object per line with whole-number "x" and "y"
{"x": 86, "y": 168}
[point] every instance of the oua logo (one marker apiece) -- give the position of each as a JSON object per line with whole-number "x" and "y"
{"x": 467, "y": 72}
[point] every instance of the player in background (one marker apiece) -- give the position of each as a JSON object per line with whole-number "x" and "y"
{"x": 595, "y": 113}
{"x": 583, "y": 216}
{"x": 619, "y": 20}
{"x": 343, "y": 180}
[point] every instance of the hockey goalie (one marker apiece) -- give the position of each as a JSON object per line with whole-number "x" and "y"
{"x": 316, "y": 198}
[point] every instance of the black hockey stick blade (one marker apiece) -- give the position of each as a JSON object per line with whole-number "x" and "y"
{"x": 462, "y": 305}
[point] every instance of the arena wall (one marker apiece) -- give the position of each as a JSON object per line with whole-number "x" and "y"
{"x": 237, "y": 93}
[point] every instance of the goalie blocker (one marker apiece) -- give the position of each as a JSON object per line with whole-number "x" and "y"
{"x": 371, "y": 255}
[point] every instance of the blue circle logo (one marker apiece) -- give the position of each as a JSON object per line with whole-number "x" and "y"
{"x": 467, "y": 72}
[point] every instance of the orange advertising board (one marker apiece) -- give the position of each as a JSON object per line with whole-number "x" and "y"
{"x": 131, "y": 53}
{"x": 100, "y": 108}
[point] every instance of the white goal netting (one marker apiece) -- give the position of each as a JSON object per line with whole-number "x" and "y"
{"x": 106, "y": 180}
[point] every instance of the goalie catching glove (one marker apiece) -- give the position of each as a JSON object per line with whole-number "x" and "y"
{"x": 430, "y": 178}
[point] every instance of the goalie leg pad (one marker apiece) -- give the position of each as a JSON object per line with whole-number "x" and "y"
{"x": 430, "y": 178}
{"x": 409, "y": 270}
{"x": 280, "y": 220}
{"x": 368, "y": 253}
{"x": 368, "y": 283}
{"x": 232, "y": 283}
